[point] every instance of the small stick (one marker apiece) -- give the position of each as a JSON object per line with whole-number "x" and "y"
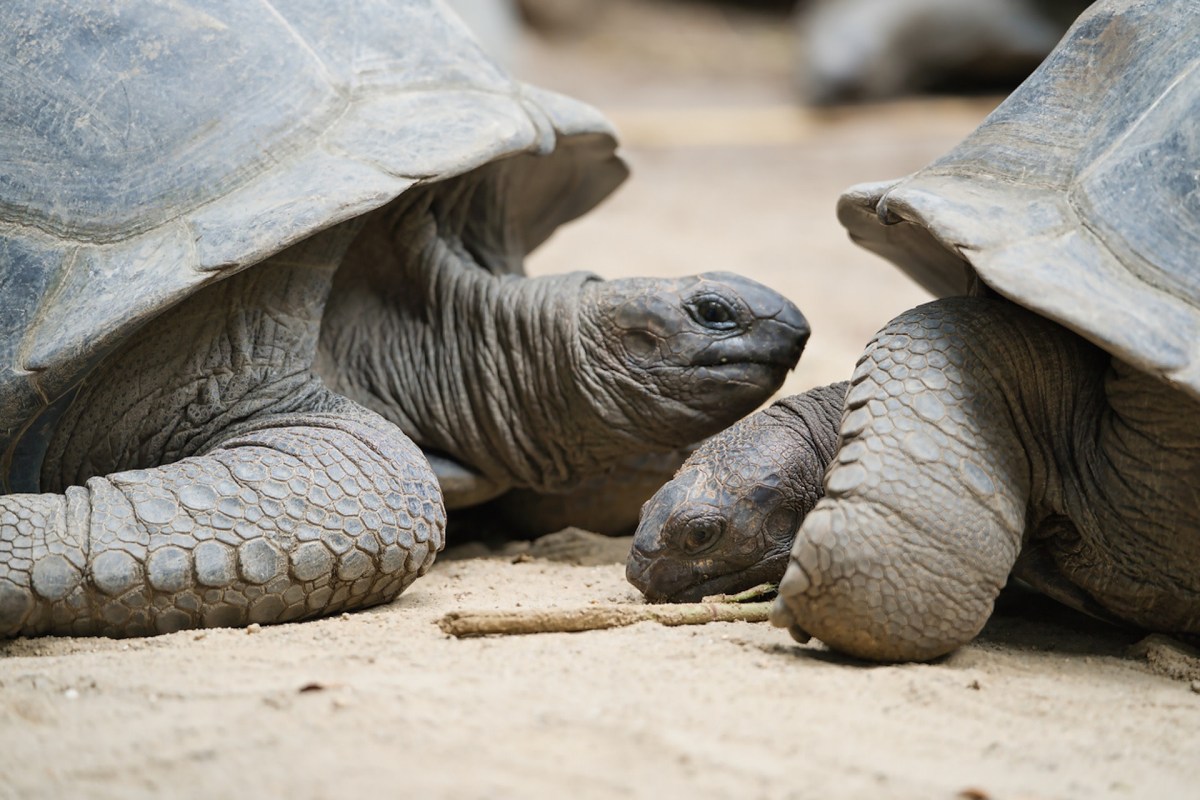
{"x": 753, "y": 593}
{"x": 590, "y": 618}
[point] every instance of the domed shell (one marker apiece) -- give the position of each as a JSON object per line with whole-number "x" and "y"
{"x": 152, "y": 148}
{"x": 1079, "y": 197}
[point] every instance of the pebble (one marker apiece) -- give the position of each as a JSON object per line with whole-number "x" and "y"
{"x": 253, "y": 627}
{"x": 973, "y": 793}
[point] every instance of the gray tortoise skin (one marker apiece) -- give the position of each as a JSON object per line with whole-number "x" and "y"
{"x": 1042, "y": 420}
{"x": 257, "y": 258}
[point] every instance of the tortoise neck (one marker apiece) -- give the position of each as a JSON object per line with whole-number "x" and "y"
{"x": 1131, "y": 502}
{"x": 485, "y": 368}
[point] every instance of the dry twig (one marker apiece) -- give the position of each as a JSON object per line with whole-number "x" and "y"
{"x": 571, "y": 620}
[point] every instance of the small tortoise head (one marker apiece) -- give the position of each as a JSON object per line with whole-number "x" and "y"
{"x": 677, "y": 359}
{"x": 725, "y": 523}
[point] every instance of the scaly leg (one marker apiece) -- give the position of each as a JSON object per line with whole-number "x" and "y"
{"x": 948, "y": 449}
{"x": 290, "y": 516}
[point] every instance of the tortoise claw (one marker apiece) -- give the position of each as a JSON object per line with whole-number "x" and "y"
{"x": 781, "y": 617}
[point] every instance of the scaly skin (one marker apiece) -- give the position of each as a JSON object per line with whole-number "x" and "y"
{"x": 541, "y": 383}
{"x": 979, "y": 438}
{"x": 295, "y": 516}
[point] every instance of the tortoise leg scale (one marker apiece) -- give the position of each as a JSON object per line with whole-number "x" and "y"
{"x": 943, "y": 457}
{"x": 293, "y": 516}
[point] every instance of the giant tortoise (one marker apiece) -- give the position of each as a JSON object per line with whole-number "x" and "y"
{"x": 252, "y": 255}
{"x": 1041, "y": 421}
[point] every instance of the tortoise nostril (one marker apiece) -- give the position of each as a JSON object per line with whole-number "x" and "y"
{"x": 636, "y": 569}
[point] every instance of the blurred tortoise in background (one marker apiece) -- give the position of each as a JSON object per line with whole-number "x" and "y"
{"x": 862, "y": 50}
{"x": 252, "y": 256}
{"x": 1042, "y": 421}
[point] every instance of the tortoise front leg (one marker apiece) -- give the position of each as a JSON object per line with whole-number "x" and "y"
{"x": 290, "y": 516}
{"x": 944, "y": 455}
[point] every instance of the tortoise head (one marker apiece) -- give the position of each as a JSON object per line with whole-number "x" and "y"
{"x": 677, "y": 359}
{"x": 725, "y": 523}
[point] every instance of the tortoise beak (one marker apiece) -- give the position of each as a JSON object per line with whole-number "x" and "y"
{"x": 658, "y": 579}
{"x": 649, "y": 568}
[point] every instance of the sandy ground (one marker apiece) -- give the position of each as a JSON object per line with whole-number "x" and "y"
{"x": 382, "y": 704}
{"x": 1046, "y": 704}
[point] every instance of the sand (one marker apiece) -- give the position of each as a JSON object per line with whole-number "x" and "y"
{"x": 382, "y": 704}
{"x": 1045, "y": 704}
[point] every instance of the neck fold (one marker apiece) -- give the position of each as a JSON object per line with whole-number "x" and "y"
{"x": 485, "y": 368}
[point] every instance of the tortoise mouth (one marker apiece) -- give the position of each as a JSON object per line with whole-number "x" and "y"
{"x": 769, "y": 570}
{"x": 782, "y": 364}
{"x": 783, "y": 353}
{"x": 759, "y": 375}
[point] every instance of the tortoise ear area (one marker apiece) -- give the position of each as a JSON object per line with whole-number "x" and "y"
{"x": 782, "y": 524}
{"x": 770, "y": 513}
{"x": 643, "y": 317}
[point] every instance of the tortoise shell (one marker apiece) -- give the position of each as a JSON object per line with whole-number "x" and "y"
{"x": 1078, "y": 197}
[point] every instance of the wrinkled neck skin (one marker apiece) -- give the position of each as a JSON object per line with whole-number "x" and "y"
{"x": 1112, "y": 460}
{"x": 810, "y": 422}
{"x": 1125, "y": 530}
{"x": 488, "y": 369}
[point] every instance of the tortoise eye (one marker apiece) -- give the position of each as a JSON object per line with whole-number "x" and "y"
{"x": 713, "y": 312}
{"x": 701, "y": 535}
